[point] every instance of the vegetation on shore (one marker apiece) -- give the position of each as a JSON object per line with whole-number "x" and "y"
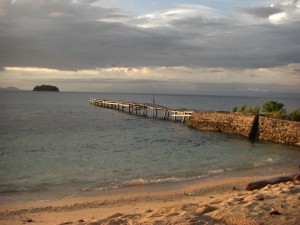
{"x": 253, "y": 110}
{"x": 295, "y": 115}
{"x": 45, "y": 88}
{"x": 271, "y": 109}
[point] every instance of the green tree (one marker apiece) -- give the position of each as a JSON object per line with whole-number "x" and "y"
{"x": 295, "y": 115}
{"x": 274, "y": 109}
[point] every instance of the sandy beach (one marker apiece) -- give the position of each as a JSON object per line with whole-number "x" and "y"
{"x": 215, "y": 201}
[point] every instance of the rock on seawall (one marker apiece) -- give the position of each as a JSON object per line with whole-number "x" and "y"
{"x": 251, "y": 126}
{"x": 280, "y": 131}
{"x": 227, "y": 122}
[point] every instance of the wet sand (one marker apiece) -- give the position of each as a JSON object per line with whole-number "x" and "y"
{"x": 213, "y": 201}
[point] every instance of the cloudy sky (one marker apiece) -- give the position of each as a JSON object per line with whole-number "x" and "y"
{"x": 162, "y": 46}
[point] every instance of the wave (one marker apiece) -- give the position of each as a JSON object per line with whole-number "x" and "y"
{"x": 109, "y": 184}
{"x": 142, "y": 181}
{"x": 173, "y": 179}
{"x": 218, "y": 171}
{"x": 263, "y": 162}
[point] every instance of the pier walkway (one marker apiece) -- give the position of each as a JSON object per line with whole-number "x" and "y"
{"x": 142, "y": 109}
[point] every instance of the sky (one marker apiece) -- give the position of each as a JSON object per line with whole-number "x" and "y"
{"x": 143, "y": 46}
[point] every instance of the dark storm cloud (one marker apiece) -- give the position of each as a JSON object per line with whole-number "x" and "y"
{"x": 68, "y": 36}
{"x": 230, "y": 43}
{"x": 261, "y": 12}
{"x": 55, "y": 36}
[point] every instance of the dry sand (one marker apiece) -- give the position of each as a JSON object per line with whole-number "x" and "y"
{"x": 219, "y": 201}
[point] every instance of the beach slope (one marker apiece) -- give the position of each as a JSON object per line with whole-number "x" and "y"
{"x": 218, "y": 201}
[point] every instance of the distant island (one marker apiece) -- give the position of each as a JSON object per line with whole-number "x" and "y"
{"x": 45, "y": 88}
{"x": 10, "y": 89}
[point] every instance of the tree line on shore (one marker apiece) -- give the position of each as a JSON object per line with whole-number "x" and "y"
{"x": 271, "y": 109}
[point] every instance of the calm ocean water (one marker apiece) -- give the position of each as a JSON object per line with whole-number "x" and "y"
{"x": 57, "y": 143}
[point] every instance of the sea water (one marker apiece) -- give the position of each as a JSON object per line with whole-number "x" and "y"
{"x": 58, "y": 145}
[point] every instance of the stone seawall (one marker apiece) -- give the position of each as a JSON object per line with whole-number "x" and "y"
{"x": 226, "y": 122}
{"x": 260, "y": 127}
{"x": 280, "y": 131}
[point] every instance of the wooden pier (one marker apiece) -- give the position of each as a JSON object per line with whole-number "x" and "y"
{"x": 142, "y": 109}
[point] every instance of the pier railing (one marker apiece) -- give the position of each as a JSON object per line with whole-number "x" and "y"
{"x": 142, "y": 109}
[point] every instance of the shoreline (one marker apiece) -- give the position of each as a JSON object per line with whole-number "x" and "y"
{"x": 24, "y": 197}
{"x": 218, "y": 197}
